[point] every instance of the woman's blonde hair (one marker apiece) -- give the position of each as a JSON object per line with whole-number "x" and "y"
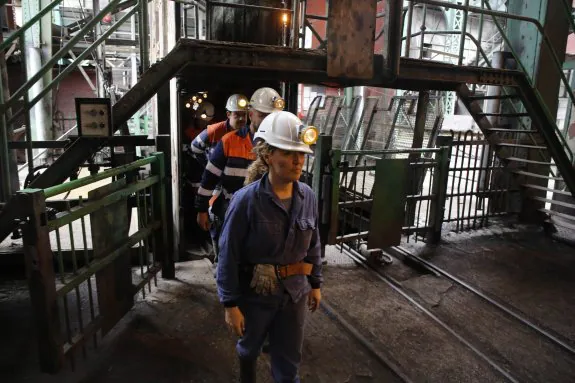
{"x": 259, "y": 167}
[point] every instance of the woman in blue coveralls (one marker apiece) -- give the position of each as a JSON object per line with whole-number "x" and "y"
{"x": 270, "y": 262}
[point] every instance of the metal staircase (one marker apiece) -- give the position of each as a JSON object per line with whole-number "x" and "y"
{"x": 520, "y": 144}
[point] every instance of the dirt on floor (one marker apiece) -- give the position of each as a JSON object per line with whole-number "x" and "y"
{"x": 177, "y": 333}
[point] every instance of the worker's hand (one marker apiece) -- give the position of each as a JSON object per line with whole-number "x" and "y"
{"x": 313, "y": 299}
{"x": 235, "y": 320}
{"x": 203, "y": 220}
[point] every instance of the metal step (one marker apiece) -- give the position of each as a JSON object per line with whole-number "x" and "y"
{"x": 503, "y": 130}
{"x": 522, "y": 146}
{"x": 538, "y": 187}
{"x": 500, "y": 97}
{"x": 553, "y": 202}
{"x": 508, "y": 115}
{"x": 557, "y": 214}
{"x": 517, "y": 159}
{"x": 535, "y": 175}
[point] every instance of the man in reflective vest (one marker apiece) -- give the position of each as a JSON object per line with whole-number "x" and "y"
{"x": 228, "y": 162}
{"x": 206, "y": 141}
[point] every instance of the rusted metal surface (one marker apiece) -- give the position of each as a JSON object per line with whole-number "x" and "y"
{"x": 41, "y": 277}
{"x": 110, "y": 226}
{"x": 206, "y": 59}
{"x": 350, "y": 34}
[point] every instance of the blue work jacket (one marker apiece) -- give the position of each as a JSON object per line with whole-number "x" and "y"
{"x": 257, "y": 229}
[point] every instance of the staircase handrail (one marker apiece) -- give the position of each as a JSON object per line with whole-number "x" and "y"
{"x": 70, "y": 67}
{"x": 531, "y": 81}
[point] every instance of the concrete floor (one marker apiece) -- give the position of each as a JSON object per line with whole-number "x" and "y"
{"x": 177, "y": 333}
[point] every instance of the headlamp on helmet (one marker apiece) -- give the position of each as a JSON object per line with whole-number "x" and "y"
{"x": 308, "y": 134}
{"x": 279, "y": 103}
{"x": 242, "y": 102}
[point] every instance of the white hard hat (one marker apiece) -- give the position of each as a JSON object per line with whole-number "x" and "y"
{"x": 205, "y": 111}
{"x": 267, "y": 100}
{"x": 285, "y": 131}
{"x": 237, "y": 103}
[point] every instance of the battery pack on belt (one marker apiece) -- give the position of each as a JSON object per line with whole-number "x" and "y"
{"x": 300, "y": 268}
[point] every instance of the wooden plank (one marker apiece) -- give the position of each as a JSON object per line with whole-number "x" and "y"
{"x": 389, "y": 197}
{"x": 350, "y": 36}
{"x": 110, "y": 228}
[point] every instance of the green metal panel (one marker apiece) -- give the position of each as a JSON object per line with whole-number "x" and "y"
{"x": 388, "y": 209}
{"x": 62, "y": 188}
{"x": 92, "y": 206}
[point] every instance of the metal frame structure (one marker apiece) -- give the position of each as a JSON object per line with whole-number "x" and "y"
{"x": 56, "y": 282}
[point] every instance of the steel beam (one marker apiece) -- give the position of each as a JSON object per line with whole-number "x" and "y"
{"x": 140, "y": 140}
{"x": 219, "y": 60}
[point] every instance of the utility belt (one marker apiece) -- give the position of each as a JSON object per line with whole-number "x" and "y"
{"x": 284, "y": 271}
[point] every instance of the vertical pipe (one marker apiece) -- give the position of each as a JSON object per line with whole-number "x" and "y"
{"x": 422, "y": 28}
{"x": 4, "y": 152}
{"x": 408, "y": 32}
{"x": 99, "y": 52}
{"x": 480, "y": 34}
{"x": 463, "y": 30}
{"x": 197, "y": 22}
{"x": 303, "y": 22}
{"x": 208, "y": 20}
{"x": 28, "y": 119}
{"x": 134, "y": 63}
{"x": 144, "y": 55}
{"x": 294, "y": 42}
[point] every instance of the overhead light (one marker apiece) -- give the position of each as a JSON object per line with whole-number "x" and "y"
{"x": 285, "y": 18}
{"x": 188, "y": 105}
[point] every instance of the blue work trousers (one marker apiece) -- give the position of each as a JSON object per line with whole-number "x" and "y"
{"x": 282, "y": 320}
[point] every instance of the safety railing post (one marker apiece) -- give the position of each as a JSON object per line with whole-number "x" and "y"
{"x": 41, "y": 279}
{"x": 163, "y": 249}
{"x": 5, "y": 191}
{"x": 321, "y": 184}
{"x": 437, "y": 209}
{"x": 335, "y": 158}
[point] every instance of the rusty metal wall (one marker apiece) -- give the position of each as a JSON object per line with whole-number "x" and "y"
{"x": 247, "y": 25}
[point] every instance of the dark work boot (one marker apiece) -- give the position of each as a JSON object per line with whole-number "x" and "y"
{"x": 248, "y": 370}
